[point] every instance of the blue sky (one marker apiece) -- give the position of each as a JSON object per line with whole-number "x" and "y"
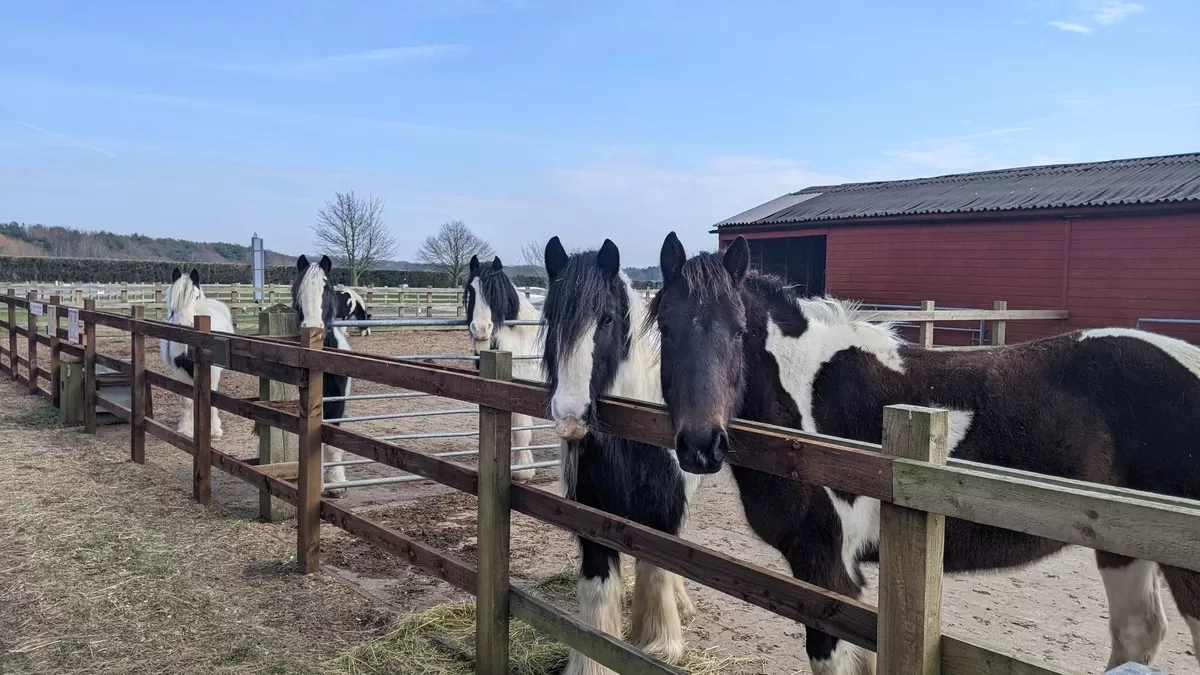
{"x": 527, "y": 119}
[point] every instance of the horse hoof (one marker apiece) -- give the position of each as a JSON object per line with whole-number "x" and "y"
{"x": 582, "y": 665}
{"x": 687, "y": 608}
{"x": 665, "y": 649}
{"x": 334, "y": 494}
{"x": 216, "y": 434}
{"x": 524, "y": 476}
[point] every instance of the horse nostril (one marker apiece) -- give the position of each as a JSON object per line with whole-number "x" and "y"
{"x": 720, "y": 444}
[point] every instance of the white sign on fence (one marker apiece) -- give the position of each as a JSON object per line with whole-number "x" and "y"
{"x": 35, "y": 308}
{"x": 51, "y": 321}
{"x": 73, "y": 325}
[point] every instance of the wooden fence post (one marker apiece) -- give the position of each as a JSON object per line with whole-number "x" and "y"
{"x": 911, "y": 545}
{"x": 159, "y": 311}
{"x": 202, "y": 417}
{"x": 429, "y": 305}
{"x": 31, "y": 324}
{"x": 999, "y": 325}
{"x": 926, "y": 337}
{"x": 137, "y": 388}
{"x": 77, "y": 297}
{"x": 308, "y": 512}
{"x": 53, "y": 321}
{"x": 495, "y": 484}
{"x": 276, "y": 445}
{"x": 89, "y": 369}
{"x": 12, "y": 335}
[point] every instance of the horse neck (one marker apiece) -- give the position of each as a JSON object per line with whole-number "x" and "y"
{"x": 638, "y": 376}
{"x": 515, "y": 338}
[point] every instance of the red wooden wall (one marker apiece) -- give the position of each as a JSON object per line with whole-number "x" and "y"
{"x": 1104, "y": 271}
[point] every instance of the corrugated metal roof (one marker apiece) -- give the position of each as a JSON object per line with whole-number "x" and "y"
{"x": 1149, "y": 180}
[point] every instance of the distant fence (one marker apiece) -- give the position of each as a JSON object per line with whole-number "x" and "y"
{"x": 919, "y": 487}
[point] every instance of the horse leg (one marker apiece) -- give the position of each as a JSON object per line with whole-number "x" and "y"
{"x": 334, "y": 474}
{"x": 522, "y": 439}
{"x": 1136, "y": 618}
{"x": 656, "y": 627}
{"x": 816, "y": 557}
{"x": 687, "y": 608}
{"x": 216, "y": 431}
{"x": 185, "y": 414}
{"x": 1185, "y": 587}
{"x": 599, "y": 594}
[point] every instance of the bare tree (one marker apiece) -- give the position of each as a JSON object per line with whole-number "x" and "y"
{"x": 351, "y": 229}
{"x": 450, "y": 250}
{"x": 533, "y": 254}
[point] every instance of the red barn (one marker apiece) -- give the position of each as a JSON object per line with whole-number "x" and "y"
{"x": 1112, "y": 242}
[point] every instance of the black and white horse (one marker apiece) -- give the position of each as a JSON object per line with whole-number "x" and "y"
{"x": 1113, "y": 406}
{"x": 185, "y": 300}
{"x": 596, "y": 344}
{"x": 315, "y": 303}
{"x": 492, "y": 299}
{"x": 350, "y": 306}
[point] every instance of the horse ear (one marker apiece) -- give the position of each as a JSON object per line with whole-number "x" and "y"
{"x": 609, "y": 258}
{"x": 195, "y": 276}
{"x": 496, "y": 264}
{"x": 737, "y": 260}
{"x": 474, "y": 265}
{"x": 175, "y": 275}
{"x": 671, "y": 258}
{"x": 302, "y": 263}
{"x": 555, "y": 258}
{"x": 326, "y": 264}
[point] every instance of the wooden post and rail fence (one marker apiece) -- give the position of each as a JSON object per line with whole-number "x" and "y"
{"x": 909, "y": 473}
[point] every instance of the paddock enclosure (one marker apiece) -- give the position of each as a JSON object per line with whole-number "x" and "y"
{"x": 909, "y": 473}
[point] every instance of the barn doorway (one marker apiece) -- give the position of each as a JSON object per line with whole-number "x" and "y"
{"x": 800, "y": 260}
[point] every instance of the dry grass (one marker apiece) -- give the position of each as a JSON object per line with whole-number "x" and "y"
{"x": 107, "y": 567}
{"x": 440, "y": 641}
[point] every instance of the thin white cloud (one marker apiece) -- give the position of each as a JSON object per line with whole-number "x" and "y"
{"x": 1109, "y": 12}
{"x": 67, "y": 140}
{"x": 1098, "y": 14}
{"x": 991, "y": 149}
{"x": 1069, "y": 26}
{"x": 326, "y": 65}
{"x": 1193, "y": 104}
{"x": 303, "y": 119}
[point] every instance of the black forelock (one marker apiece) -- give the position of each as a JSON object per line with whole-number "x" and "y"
{"x": 499, "y": 292}
{"x": 580, "y": 295}
{"x": 708, "y": 283}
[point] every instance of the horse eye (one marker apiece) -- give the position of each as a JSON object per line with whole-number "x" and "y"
{"x": 606, "y": 320}
{"x": 739, "y": 332}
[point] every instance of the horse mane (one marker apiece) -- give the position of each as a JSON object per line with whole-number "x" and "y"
{"x": 579, "y": 289}
{"x": 312, "y": 280}
{"x": 707, "y": 279}
{"x": 179, "y": 292}
{"x": 496, "y": 284}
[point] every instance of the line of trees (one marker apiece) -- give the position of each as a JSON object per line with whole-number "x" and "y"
{"x": 353, "y": 230}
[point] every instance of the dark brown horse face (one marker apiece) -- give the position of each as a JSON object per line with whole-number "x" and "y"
{"x": 702, "y": 319}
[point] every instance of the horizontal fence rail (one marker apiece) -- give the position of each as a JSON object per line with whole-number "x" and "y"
{"x": 918, "y": 485}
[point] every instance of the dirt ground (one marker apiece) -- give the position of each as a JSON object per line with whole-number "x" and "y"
{"x": 105, "y": 566}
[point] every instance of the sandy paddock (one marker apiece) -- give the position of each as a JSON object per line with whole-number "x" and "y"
{"x": 1053, "y": 611}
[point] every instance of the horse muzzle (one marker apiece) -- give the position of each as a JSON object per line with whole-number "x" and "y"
{"x": 570, "y": 429}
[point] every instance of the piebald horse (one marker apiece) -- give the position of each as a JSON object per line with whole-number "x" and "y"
{"x": 315, "y": 303}
{"x": 185, "y": 300}
{"x": 491, "y": 300}
{"x": 1112, "y": 405}
{"x": 597, "y": 345}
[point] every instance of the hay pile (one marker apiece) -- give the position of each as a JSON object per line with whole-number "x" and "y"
{"x": 441, "y": 641}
